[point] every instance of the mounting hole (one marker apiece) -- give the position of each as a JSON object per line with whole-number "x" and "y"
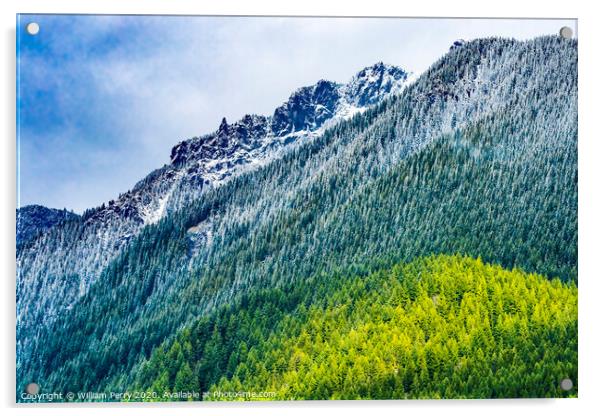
{"x": 566, "y": 384}
{"x": 32, "y": 388}
{"x": 32, "y": 28}
{"x": 566, "y": 32}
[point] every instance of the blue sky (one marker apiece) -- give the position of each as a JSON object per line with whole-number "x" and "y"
{"x": 102, "y": 99}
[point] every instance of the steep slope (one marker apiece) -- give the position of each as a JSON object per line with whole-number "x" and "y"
{"x": 439, "y": 327}
{"x": 478, "y": 156}
{"x": 59, "y": 267}
{"x": 32, "y": 220}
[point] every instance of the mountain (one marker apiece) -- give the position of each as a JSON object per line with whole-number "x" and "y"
{"x": 252, "y": 141}
{"x": 33, "y": 220}
{"x": 477, "y": 157}
{"x": 60, "y": 267}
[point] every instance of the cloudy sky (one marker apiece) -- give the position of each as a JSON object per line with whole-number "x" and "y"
{"x": 102, "y": 99}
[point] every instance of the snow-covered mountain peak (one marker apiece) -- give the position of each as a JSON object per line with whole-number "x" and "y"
{"x": 254, "y": 139}
{"x": 307, "y": 110}
{"x": 375, "y": 82}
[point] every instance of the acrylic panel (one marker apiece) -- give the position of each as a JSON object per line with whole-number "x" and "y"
{"x": 295, "y": 208}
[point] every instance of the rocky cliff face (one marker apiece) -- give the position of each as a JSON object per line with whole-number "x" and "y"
{"x": 250, "y": 142}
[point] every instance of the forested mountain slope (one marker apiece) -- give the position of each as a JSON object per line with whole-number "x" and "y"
{"x": 477, "y": 157}
{"x": 57, "y": 268}
{"x": 439, "y": 327}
